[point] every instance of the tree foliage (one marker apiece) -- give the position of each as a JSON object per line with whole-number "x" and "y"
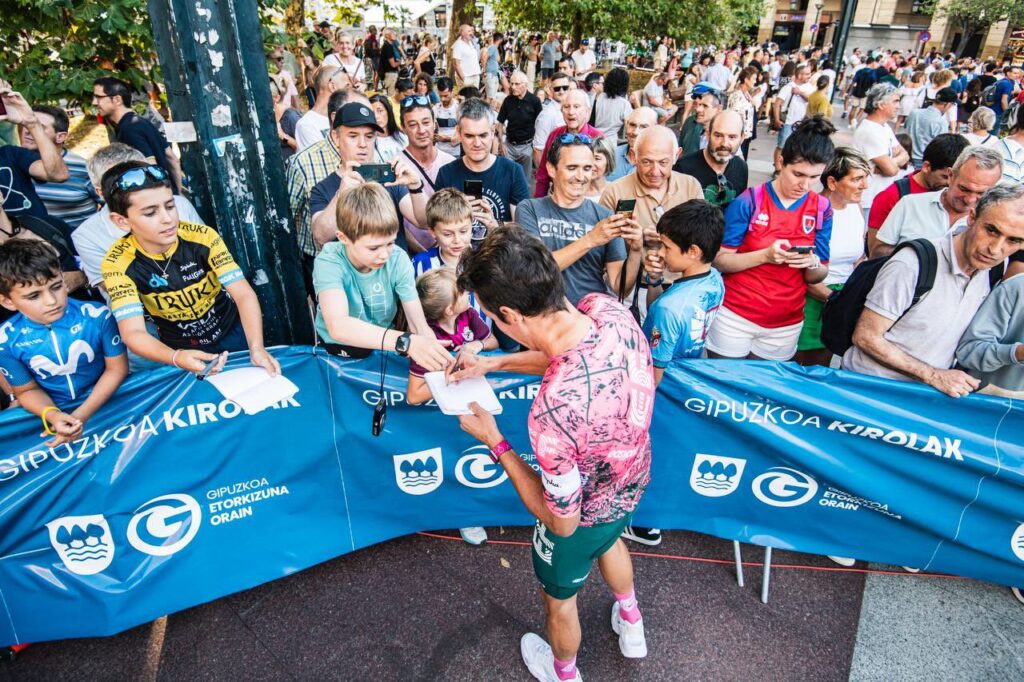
{"x": 54, "y": 49}
{"x": 717, "y": 21}
{"x": 974, "y": 16}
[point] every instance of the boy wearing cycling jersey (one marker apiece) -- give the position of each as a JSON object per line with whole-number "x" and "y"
{"x": 55, "y": 350}
{"x": 178, "y": 274}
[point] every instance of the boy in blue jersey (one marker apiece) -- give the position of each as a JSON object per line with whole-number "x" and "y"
{"x": 55, "y": 351}
{"x": 679, "y": 316}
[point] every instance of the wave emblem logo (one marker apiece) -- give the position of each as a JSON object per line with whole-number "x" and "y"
{"x": 476, "y": 470}
{"x": 419, "y": 473}
{"x": 83, "y": 543}
{"x": 714, "y": 476}
{"x": 784, "y": 487}
{"x": 1017, "y": 542}
{"x": 165, "y": 525}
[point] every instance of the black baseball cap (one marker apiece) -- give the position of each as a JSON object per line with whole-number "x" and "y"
{"x": 356, "y": 115}
{"x": 946, "y": 96}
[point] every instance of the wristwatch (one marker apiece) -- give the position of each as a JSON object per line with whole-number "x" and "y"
{"x": 402, "y": 344}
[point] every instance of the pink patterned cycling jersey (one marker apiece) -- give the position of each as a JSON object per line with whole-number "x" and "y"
{"x": 589, "y": 422}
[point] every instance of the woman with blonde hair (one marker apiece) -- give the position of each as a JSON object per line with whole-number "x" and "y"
{"x": 911, "y": 97}
{"x": 424, "y": 61}
{"x": 937, "y": 81}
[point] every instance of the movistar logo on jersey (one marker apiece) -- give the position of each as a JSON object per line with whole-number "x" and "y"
{"x": 156, "y": 280}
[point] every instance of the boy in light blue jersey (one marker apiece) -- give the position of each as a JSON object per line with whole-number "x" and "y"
{"x": 56, "y": 353}
{"x": 680, "y": 314}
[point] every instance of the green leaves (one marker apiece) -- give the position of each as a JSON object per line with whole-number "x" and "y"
{"x": 720, "y": 21}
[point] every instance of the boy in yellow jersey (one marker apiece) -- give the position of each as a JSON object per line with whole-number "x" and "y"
{"x": 178, "y": 274}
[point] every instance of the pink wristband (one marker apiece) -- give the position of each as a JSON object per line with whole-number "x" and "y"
{"x": 500, "y": 449}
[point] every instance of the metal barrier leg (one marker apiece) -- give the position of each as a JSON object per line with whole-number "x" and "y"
{"x": 738, "y": 553}
{"x": 766, "y": 574}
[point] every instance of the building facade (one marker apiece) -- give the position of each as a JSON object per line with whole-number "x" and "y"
{"x": 878, "y": 24}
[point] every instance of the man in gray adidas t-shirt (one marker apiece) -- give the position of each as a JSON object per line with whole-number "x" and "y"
{"x": 589, "y": 242}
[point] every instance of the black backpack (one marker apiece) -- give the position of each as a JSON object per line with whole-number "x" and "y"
{"x": 842, "y": 310}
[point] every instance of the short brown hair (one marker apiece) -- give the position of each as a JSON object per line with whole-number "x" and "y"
{"x": 366, "y": 210}
{"x": 438, "y": 289}
{"x": 27, "y": 262}
{"x": 447, "y": 206}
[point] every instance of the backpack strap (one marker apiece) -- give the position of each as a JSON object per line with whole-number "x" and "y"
{"x": 928, "y": 267}
{"x": 903, "y": 186}
{"x": 819, "y": 212}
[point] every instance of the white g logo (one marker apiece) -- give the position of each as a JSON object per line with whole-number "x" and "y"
{"x": 165, "y": 525}
{"x": 476, "y": 470}
{"x": 784, "y": 487}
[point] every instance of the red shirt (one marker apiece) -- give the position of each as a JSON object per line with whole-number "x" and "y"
{"x": 771, "y": 295}
{"x": 884, "y": 201}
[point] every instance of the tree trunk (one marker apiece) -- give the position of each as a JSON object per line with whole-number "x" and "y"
{"x": 577, "y": 29}
{"x": 295, "y": 17}
{"x": 463, "y": 12}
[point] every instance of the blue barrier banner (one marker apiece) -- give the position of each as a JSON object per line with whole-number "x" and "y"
{"x": 175, "y": 497}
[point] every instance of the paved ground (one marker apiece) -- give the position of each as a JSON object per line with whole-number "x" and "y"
{"x": 422, "y": 608}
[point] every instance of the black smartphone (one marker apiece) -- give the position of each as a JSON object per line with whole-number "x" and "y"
{"x": 803, "y": 250}
{"x": 625, "y": 207}
{"x": 473, "y": 188}
{"x": 376, "y": 172}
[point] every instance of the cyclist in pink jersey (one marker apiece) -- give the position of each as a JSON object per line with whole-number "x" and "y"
{"x": 588, "y": 429}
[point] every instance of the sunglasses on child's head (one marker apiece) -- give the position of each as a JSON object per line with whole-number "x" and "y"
{"x": 134, "y": 178}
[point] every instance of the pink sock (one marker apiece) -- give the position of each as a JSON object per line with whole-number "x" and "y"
{"x": 566, "y": 670}
{"x": 628, "y": 608}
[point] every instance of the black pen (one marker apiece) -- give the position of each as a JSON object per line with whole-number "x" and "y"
{"x": 209, "y": 367}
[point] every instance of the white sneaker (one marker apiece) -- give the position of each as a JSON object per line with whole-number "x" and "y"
{"x": 911, "y": 569}
{"x": 843, "y": 560}
{"x": 1018, "y": 592}
{"x": 474, "y": 535}
{"x": 632, "y": 642}
{"x": 540, "y": 660}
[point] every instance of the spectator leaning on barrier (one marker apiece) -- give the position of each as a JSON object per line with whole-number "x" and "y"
{"x": 992, "y": 348}
{"x": 590, "y": 243}
{"x": 935, "y": 173}
{"x": 678, "y": 320}
{"x": 718, "y": 168}
{"x": 845, "y": 178}
{"x": 56, "y": 350}
{"x": 776, "y": 243}
{"x": 898, "y": 340}
{"x": 588, "y": 487}
{"x": 932, "y": 214}
{"x": 625, "y": 154}
{"x": 179, "y": 274}
{"x": 362, "y": 278}
{"x": 73, "y": 200}
{"x": 112, "y": 98}
{"x": 97, "y": 234}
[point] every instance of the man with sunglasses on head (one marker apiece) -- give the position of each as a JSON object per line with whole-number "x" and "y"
{"x": 551, "y": 115}
{"x": 590, "y": 243}
{"x": 719, "y": 170}
{"x": 178, "y": 274}
{"x": 707, "y": 102}
{"x": 113, "y": 100}
{"x": 575, "y": 112}
{"x": 423, "y": 156}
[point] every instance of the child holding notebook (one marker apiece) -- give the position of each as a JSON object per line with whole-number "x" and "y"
{"x": 452, "y": 319}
